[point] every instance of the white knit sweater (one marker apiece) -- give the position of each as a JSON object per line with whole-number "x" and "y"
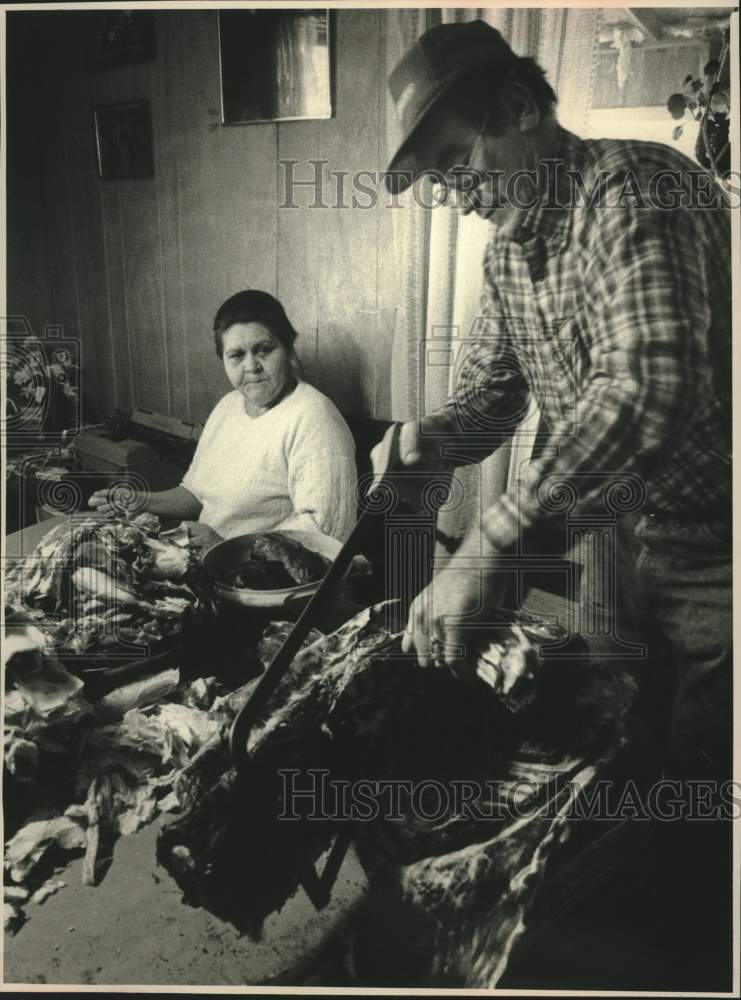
{"x": 291, "y": 467}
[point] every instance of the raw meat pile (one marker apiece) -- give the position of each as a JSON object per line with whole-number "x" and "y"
{"x": 100, "y": 585}
{"x": 73, "y": 786}
{"x": 352, "y": 705}
{"x": 75, "y": 782}
{"x": 275, "y": 561}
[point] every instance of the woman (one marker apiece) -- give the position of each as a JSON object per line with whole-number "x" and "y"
{"x": 275, "y": 452}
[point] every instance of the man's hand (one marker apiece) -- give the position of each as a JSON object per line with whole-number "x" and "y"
{"x": 201, "y": 535}
{"x": 417, "y": 450}
{"x": 461, "y": 596}
{"x": 418, "y": 454}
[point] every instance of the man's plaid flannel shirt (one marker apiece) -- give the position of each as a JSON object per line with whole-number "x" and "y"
{"x": 618, "y": 321}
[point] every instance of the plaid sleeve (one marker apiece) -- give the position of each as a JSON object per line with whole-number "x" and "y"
{"x": 491, "y": 395}
{"x": 649, "y": 318}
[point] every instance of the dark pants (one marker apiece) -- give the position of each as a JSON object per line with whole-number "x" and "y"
{"x": 662, "y": 608}
{"x": 660, "y": 604}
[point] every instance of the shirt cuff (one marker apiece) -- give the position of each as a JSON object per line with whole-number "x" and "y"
{"x": 518, "y": 523}
{"x": 441, "y": 424}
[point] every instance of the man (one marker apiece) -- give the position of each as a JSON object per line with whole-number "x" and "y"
{"x": 607, "y": 296}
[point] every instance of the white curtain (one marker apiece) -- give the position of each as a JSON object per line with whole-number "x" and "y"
{"x": 439, "y": 253}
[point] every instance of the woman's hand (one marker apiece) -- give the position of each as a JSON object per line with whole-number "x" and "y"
{"x": 119, "y": 500}
{"x": 201, "y": 535}
{"x": 458, "y": 601}
{"x": 177, "y": 503}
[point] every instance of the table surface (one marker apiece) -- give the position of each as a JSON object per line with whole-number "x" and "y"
{"x": 133, "y": 929}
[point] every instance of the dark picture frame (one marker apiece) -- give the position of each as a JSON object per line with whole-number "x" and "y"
{"x": 123, "y": 140}
{"x": 275, "y": 65}
{"x": 119, "y": 38}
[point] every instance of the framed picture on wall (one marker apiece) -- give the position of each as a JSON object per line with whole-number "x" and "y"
{"x": 275, "y": 65}
{"x": 119, "y": 38}
{"x": 123, "y": 139}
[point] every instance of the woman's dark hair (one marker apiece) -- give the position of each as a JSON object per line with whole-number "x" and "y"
{"x": 253, "y": 306}
{"x": 476, "y": 93}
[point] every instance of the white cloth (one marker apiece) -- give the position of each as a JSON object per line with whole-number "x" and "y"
{"x": 292, "y": 467}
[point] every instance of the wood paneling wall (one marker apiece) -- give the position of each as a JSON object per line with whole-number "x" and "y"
{"x": 137, "y": 268}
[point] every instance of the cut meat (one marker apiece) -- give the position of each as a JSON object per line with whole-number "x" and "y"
{"x": 48, "y": 889}
{"x": 353, "y": 709}
{"x": 14, "y": 918}
{"x": 100, "y": 585}
{"x": 94, "y": 581}
{"x": 116, "y": 776}
{"x": 45, "y": 686}
{"x": 275, "y": 561}
{"x": 229, "y": 832}
{"x": 29, "y": 845}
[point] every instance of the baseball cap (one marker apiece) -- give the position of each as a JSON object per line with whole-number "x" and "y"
{"x": 424, "y": 75}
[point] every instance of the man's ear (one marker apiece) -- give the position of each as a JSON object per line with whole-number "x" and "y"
{"x": 519, "y": 106}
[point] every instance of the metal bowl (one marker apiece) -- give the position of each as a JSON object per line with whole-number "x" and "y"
{"x": 227, "y": 556}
